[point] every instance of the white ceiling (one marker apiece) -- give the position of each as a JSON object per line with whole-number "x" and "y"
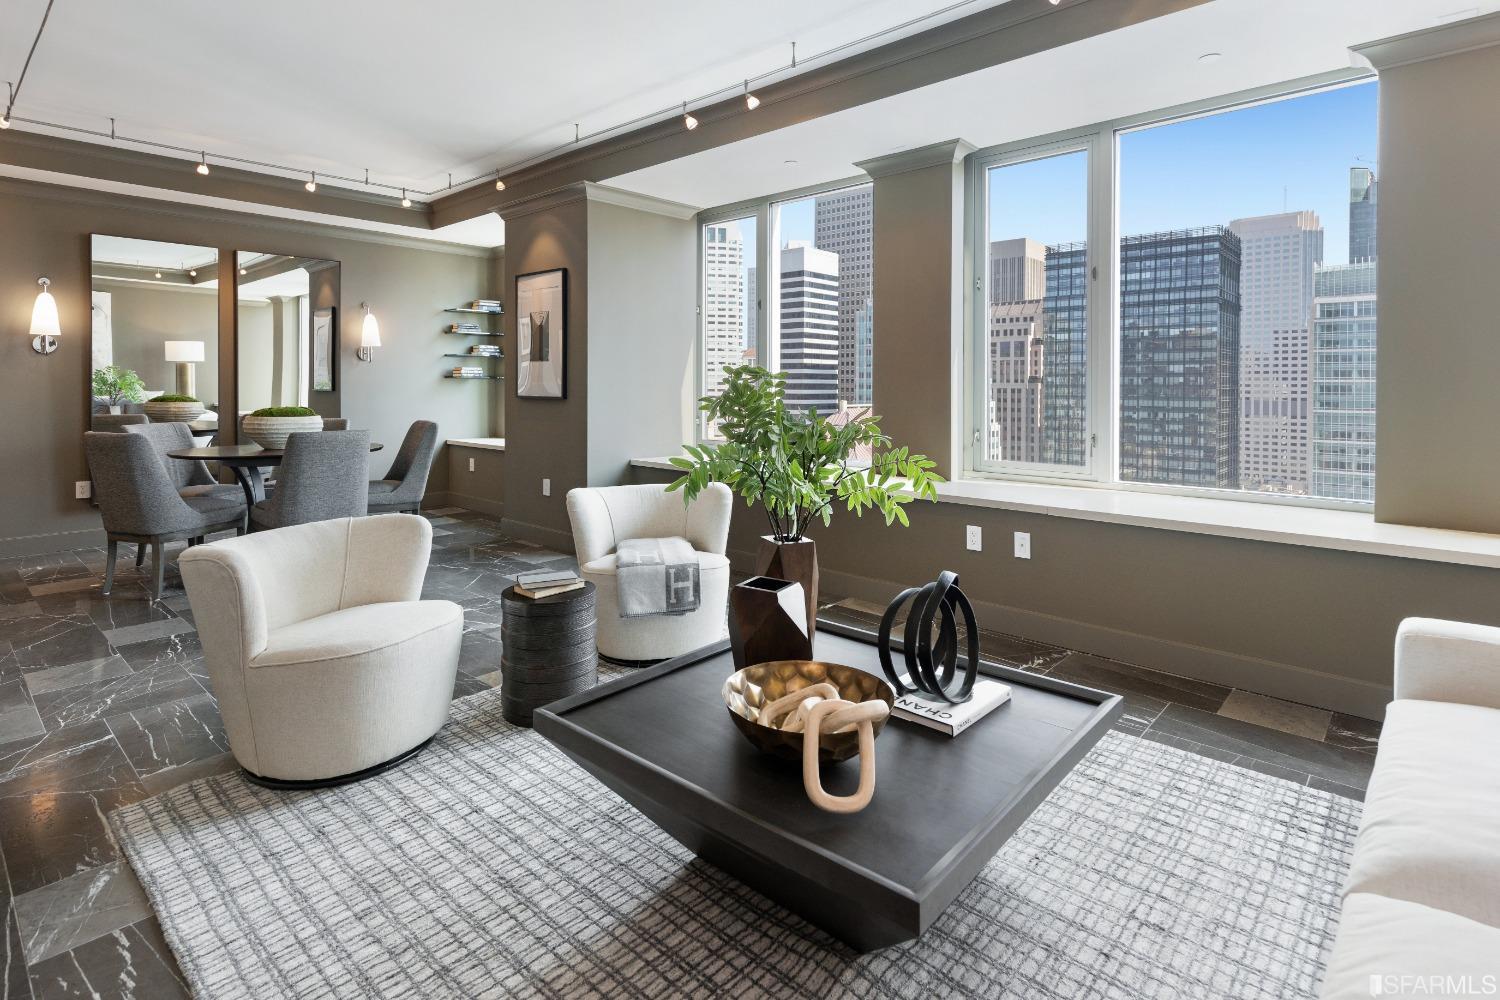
{"x": 341, "y": 86}
{"x": 1136, "y": 70}
{"x": 150, "y": 253}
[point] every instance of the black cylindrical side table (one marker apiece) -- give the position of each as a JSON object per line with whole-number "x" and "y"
{"x": 547, "y": 650}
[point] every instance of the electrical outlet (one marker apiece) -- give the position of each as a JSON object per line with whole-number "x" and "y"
{"x": 471, "y": 463}
{"x": 1023, "y": 545}
{"x": 974, "y": 539}
{"x": 83, "y": 489}
{"x": 546, "y": 487}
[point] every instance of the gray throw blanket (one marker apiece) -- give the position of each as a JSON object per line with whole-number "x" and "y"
{"x": 656, "y": 576}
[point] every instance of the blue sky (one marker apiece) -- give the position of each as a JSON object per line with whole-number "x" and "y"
{"x": 1283, "y": 156}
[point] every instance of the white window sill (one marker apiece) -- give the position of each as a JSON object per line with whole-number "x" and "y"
{"x": 1342, "y": 530}
{"x": 488, "y": 444}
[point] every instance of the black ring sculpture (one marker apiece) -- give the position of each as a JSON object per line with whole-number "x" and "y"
{"x": 931, "y": 668}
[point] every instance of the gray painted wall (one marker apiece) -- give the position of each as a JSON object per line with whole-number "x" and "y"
{"x": 48, "y": 228}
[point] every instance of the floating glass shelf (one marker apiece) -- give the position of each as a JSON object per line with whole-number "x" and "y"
{"x": 475, "y": 378}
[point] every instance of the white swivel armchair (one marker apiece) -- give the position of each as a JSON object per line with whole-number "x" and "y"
{"x": 326, "y": 664}
{"x": 603, "y": 517}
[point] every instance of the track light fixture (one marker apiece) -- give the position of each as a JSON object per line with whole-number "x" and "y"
{"x": 158, "y": 272}
{"x": 312, "y": 183}
{"x": 405, "y": 201}
{"x": 499, "y": 184}
{"x": 4, "y": 122}
{"x": 203, "y": 164}
{"x": 751, "y": 101}
{"x": 688, "y": 121}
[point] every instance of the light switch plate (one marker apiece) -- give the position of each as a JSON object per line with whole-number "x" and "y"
{"x": 83, "y": 489}
{"x": 974, "y": 539}
{"x": 471, "y": 463}
{"x": 1023, "y": 545}
{"x": 546, "y": 487}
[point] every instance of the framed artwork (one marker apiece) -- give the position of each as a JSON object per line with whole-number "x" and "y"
{"x": 542, "y": 334}
{"x": 323, "y": 340}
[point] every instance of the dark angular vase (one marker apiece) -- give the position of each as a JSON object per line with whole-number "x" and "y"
{"x": 794, "y": 561}
{"x": 768, "y": 621}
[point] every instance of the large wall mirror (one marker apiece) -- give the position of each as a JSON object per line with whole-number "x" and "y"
{"x": 155, "y": 327}
{"x": 287, "y": 346}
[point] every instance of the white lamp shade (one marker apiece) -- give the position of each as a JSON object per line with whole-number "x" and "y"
{"x": 370, "y": 335}
{"x": 44, "y": 321}
{"x": 184, "y": 350}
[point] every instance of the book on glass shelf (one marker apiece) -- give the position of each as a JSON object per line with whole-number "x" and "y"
{"x": 934, "y": 713}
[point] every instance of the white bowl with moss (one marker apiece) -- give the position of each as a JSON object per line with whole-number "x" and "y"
{"x": 169, "y": 409}
{"x": 270, "y": 427}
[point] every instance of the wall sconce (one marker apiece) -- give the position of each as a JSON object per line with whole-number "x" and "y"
{"x": 369, "y": 336}
{"x": 45, "y": 329}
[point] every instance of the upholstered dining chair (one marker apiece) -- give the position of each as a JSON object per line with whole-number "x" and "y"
{"x": 140, "y": 504}
{"x": 322, "y": 477}
{"x": 115, "y": 422}
{"x": 603, "y": 517}
{"x": 192, "y": 479}
{"x": 406, "y": 481}
{"x": 326, "y": 664}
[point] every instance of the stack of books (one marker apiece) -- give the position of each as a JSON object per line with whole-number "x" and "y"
{"x": 989, "y": 694}
{"x": 464, "y": 328}
{"x": 485, "y": 350}
{"x": 486, "y": 305}
{"x": 468, "y": 371}
{"x": 546, "y": 583}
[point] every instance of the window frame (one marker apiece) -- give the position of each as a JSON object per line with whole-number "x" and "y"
{"x": 1101, "y": 142}
{"x": 767, "y": 235}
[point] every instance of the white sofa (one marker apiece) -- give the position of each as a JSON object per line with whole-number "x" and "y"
{"x": 326, "y": 664}
{"x": 602, "y": 517}
{"x": 1423, "y": 894}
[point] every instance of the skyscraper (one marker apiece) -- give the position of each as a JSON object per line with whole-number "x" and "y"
{"x": 843, "y": 224}
{"x": 1279, "y": 253}
{"x": 1065, "y": 403}
{"x": 1343, "y": 372}
{"x": 752, "y": 307}
{"x": 1015, "y": 351}
{"x": 1363, "y": 188}
{"x": 723, "y": 302}
{"x": 1179, "y": 357}
{"x": 809, "y": 322}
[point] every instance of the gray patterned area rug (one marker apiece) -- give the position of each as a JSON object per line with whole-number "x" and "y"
{"x": 491, "y": 866}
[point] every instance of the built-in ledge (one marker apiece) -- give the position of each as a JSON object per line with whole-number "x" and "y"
{"x": 1344, "y": 530}
{"x": 488, "y": 444}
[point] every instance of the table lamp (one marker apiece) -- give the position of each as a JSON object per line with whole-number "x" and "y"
{"x": 184, "y": 353}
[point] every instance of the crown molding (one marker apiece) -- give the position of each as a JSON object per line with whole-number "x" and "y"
{"x": 24, "y": 188}
{"x": 949, "y": 152}
{"x": 640, "y": 202}
{"x": 1431, "y": 43}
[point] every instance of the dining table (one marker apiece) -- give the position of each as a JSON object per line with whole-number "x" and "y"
{"x": 248, "y": 462}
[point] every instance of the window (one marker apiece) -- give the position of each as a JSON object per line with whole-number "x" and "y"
{"x": 1033, "y": 390}
{"x": 728, "y": 301}
{"x": 822, "y": 330}
{"x": 1238, "y": 299}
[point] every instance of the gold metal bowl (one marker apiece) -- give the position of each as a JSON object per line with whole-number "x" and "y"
{"x": 747, "y": 691}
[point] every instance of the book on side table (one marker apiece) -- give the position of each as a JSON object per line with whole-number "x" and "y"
{"x": 934, "y": 713}
{"x": 547, "y": 583}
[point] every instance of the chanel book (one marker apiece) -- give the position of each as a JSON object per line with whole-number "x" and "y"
{"x": 934, "y": 713}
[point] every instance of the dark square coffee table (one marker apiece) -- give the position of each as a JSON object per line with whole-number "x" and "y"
{"x": 663, "y": 740}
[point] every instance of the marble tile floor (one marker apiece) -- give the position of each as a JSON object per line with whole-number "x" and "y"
{"x": 105, "y": 701}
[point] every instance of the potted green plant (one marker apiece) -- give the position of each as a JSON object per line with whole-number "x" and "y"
{"x": 269, "y": 426}
{"x": 170, "y": 407}
{"x": 118, "y": 386}
{"x": 798, "y": 465}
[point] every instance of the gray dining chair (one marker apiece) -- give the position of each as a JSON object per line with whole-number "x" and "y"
{"x": 335, "y": 423}
{"x": 406, "y": 481}
{"x": 140, "y": 505}
{"x": 322, "y": 476}
{"x": 192, "y": 479}
{"x": 115, "y": 422}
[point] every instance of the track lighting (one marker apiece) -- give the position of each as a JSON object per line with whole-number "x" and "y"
{"x": 193, "y": 273}
{"x": 499, "y": 184}
{"x": 4, "y": 122}
{"x": 688, "y": 121}
{"x": 203, "y": 164}
{"x": 312, "y": 183}
{"x": 158, "y": 273}
{"x": 405, "y": 201}
{"x": 751, "y": 101}
{"x": 242, "y": 270}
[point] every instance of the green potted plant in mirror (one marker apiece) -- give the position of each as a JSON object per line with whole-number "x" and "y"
{"x": 798, "y": 466}
{"x": 118, "y": 386}
{"x": 170, "y": 407}
{"x": 270, "y": 425}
